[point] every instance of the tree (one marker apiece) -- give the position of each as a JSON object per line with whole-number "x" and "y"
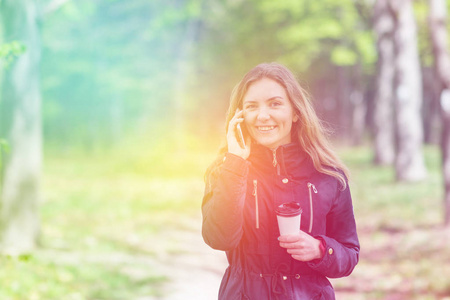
{"x": 3, "y": 149}
{"x": 438, "y": 33}
{"x": 383, "y": 25}
{"x": 8, "y": 52}
{"x": 409, "y": 162}
{"x": 21, "y": 125}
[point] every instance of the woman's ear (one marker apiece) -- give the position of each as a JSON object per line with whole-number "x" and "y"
{"x": 295, "y": 119}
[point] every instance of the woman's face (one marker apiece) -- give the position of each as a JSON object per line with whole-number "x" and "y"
{"x": 268, "y": 113}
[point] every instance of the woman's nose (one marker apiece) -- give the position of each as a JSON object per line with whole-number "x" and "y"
{"x": 263, "y": 115}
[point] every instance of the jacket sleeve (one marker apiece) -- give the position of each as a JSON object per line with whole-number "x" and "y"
{"x": 223, "y": 203}
{"x": 341, "y": 239}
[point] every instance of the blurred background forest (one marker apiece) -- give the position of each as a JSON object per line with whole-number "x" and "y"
{"x": 111, "y": 110}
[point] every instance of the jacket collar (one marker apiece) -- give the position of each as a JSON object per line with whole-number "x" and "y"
{"x": 289, "y": 160}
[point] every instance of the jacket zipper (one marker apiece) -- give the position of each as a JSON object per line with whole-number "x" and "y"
{"x": 310, "y": 185}
{"x": 275, "y": 162}
{"x": 255, "y": 193}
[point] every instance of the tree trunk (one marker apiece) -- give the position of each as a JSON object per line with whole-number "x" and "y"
{"x": 409, "y": 162}
{"x": 344, "y": 106}
{"x": 21, "y": 125}
{"x": 445, "y": 148}
{"x": 432, "y": 88}
{"x": 383, "y": 103}
{"x": 359, "y": 108}
{"x": 437, "y": 20}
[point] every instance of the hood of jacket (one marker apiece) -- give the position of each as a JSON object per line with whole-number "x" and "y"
{"x": 289, "y": 160}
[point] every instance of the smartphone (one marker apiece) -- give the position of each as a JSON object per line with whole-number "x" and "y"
{"x": 241, "y": 135}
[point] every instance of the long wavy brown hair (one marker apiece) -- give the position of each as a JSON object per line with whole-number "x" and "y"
{"x": 311, "y": 134}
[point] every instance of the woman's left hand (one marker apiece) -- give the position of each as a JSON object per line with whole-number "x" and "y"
{"x": 302, "y": 247}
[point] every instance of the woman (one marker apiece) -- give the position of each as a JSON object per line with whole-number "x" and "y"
{"x": 283, "y": 157}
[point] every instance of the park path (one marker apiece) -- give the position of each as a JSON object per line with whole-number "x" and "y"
{"x": 194, "y": 270}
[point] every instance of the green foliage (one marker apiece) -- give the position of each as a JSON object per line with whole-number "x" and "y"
{"x": 10, "y": 51}
{"x": 423, "y": 32}
{"x": 343, "y": 56}
{"x": 109, "y": 66}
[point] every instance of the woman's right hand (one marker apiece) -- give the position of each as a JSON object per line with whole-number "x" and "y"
{"x": 234, "y": 146}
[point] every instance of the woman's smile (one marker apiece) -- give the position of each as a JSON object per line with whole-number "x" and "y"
{"x": 265, "y": 128}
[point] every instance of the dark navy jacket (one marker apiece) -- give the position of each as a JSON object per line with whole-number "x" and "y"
{"x": 239, "y": 218}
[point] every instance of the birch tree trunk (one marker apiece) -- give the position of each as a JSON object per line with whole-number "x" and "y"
{"x": 437, "y": 21}
{"x": 344, "y": 106}
{"x": 432, "y": 89}
{"x": 383, "y": 107}
{"x": 21, "y": 125}
{"x": 409, "y": 162}
{"x": 359, "y": 107}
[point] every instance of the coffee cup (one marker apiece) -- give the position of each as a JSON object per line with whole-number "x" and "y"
{"x": 289, "y": 216}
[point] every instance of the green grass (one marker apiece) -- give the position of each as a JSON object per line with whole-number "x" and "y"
{"x": 106, "y": 221}
{"x": 51, "y": 277}
{"x": 392, "y": 204}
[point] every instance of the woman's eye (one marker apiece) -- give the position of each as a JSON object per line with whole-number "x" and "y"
{"x": 251, "y": 106}
{"x": 276, "y": 103}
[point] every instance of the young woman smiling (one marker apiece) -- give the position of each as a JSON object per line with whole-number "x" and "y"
{"x": 285, "y": 158}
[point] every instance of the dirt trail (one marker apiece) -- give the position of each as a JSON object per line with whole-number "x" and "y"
{"x": 194, "y": 270}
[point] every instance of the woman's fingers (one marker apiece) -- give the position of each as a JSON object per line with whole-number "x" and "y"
{"x": 237, "y": 118}
{"x": 289, "y": 238}
{"x": 290, "y": 241}
{"x": 236, "y": 145}
{"x": 301, "y": 247}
